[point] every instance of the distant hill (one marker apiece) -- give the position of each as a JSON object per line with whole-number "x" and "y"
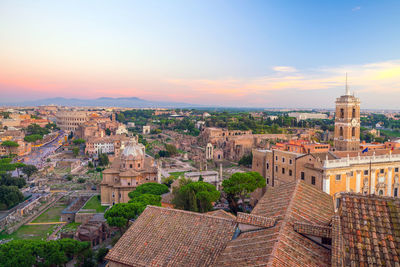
{"x": 126, "y": 102}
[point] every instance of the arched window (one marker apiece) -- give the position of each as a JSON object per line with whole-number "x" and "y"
{"x": 341, "y": 113}
{"x": 354, "y": 113}
{"x": 341, "y": 132}
{"x": 353, "y": 132}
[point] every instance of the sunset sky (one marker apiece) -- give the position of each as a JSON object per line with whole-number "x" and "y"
{"x": 225, "y": 53}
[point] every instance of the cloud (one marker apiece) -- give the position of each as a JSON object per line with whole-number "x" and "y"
{"x": 371, "y": 77}
{"x": 284, "y": 69}
{"x": 356, "y": 8}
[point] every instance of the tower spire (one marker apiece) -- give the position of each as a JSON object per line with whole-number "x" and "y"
{"x": 347, "y": 87}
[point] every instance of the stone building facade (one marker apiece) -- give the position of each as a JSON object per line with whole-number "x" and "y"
{"x": 130, "y": 170}
{"x": 347, "y": 123}
{"x": 69, "y": 120}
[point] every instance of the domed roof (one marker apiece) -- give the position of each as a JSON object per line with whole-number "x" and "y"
{"x": 136, "y": 150}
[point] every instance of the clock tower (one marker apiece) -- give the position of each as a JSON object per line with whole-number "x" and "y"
{"x": 347, "y": 122}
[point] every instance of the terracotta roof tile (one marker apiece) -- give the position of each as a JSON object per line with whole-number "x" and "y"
{"x": 255, "y": 220}
{"x": 281, "y": 245}
{"x": 370, "y": 230}
{"x": 170, "y": 237}
{"x": 222, "y": 214}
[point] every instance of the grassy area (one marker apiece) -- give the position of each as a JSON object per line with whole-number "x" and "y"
{"x": 177, "y": 174}
{"x": 53, "y": 214}
{"x": 30, "y": 232}
{"x": 390, "y": 133}
{"x": 94, "y": 204}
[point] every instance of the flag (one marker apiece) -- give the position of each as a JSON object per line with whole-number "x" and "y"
{"x": 365, "y": 150}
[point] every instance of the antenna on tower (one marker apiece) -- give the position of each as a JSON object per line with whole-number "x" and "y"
{"x": 347, "y": 87}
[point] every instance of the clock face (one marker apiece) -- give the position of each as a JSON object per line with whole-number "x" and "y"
{"x": 354, "y": 122}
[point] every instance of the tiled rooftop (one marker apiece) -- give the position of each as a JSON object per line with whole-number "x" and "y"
{"x": 281, "y": 245}
{"x": 370, "y": 227}
{"x": 170, "y": 237}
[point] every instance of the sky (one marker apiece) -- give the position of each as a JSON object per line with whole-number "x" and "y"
{"x": 224, "y": 53}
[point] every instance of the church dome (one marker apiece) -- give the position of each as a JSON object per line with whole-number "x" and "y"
{"x": 135, "y": 150}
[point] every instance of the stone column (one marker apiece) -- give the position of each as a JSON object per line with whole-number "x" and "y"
{"x": 372, "y": 182}
{"x": 389, "y": 182}
{"x": 326, "y": 183}
{"x": 348, "y": 175}
{"x": 358, "y": 182}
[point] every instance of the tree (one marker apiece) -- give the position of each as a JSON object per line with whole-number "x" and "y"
{"x": 79, "y": 141}
{"x": 90, "y": 164}
{"x": 75, "y": 151}
{"x": 29, "y": 170}
{"x": 9, "y": 145}
{"x": 6, "y": 179}
{"x": 240, "y": 185}
{"x": 120, "y": 214}
{"x": 9, "y": 196}
{"x": 81, "y": 180}
{"x": 18, "y": 166}
{"x": 195, "y": 196}
{"x": 6, "y": 165}
{"x": 246, "y": 160}
{"x": 36, "y": 129}
{"x": 147, "y": 199}
{"x": 101, "y": 253}
{"x": 103, "y": 159}
{"x": 108, "y": 131}
{"x": 168, "y": 180}
{"x": 149, "y": 188}
{"x": 33, "y": 138}
{"x": 43, "y": 253}
{"x": 171, "y": 149}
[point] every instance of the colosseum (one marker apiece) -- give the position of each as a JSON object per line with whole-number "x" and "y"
{"x": 69, "y": 120}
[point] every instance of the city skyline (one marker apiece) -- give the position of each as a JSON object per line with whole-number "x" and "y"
{"x": 222, "y": 53}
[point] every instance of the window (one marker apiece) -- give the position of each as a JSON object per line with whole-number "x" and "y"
{"x": 341, "y": 132}
{"x": 302, "y": 176}
{"x": 113, "y": 195}
{"x": 130, "y": 166}
{"x": 290, "y": 172}
{"x": 267, "y": 180}
{"x": 313, "y": 180}
{"x": 290, "y": 161}
{"x": 382, "y": 170}
{"x": 396, "y": 169}
{"x": 354, "y": 113}
{"x": 395, "y": 193}
{"x": 283, "y": 170}
{"x": 353, "y": 132}
{"x": 267, "y": 166}
{"x": 276, "y": 157}
{"x": 276, "y": 168}
{"x": 341, "y": 113}
{"x": 138, "y": 165}
{"x": 283, "y": 159}
{"x": 366, "y": 172}
{"x": 129, "y": 183}
{"x": 381, "y": 192}
{"x": 338, "y": 177}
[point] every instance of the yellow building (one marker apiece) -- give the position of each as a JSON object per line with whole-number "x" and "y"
{"x": 372, "y": 174}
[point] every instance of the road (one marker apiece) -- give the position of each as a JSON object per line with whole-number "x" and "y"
{"x": 39, "y": 155}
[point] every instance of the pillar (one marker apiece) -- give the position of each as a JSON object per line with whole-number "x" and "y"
{"x": 325, "y": 183}
{"x": 372, "y": 189}
{"x": 348, "y": 176}
{"x": 358, "y": 182}
{"x": 389, "y": 181}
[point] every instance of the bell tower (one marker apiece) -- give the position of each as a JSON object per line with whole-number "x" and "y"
{"x": 347, "y": 122}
